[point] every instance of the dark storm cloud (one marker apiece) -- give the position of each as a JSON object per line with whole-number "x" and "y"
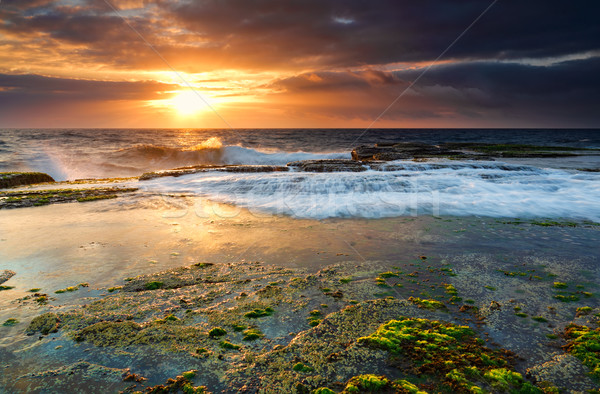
{"x": 564, "y": 92}
{"x": 344, "y": 33}
{"x": 318, "y": 34}
{"x": 25, "y": 89}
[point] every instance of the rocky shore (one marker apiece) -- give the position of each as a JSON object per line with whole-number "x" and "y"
{"x": 425, "y": 325}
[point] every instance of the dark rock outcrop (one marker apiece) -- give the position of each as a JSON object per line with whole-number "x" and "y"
{"x": 401, "y": 151}
{"x": 327, "y": 165}
{"x": 205, "y": 168}
{"x": 9, "y": 179}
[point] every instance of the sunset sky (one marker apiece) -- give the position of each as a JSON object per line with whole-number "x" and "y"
{"x": 304, "y": 63}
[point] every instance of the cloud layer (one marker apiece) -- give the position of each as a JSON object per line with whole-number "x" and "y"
{"x": 528, "y": 63}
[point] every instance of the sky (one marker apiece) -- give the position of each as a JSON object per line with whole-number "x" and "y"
{"x": 299, "y": 63}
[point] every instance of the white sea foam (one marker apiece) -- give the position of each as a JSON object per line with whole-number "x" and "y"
{"x": 444, "y": 188}
{"x": 136, "y": 160}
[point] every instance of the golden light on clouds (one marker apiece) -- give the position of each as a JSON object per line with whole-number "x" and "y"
{"x": 306, "y": 64}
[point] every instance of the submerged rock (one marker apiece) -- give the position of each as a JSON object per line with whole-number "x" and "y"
{"x": 6, "y": 275}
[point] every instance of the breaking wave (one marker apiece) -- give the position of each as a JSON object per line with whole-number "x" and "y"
{"x": 137, "y": 159}
{"x": 405, "y": 188}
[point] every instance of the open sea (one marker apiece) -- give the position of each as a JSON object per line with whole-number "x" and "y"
{"x": 546, "y": 188}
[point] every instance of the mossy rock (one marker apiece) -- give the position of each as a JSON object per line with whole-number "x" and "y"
{"x": 109, "y": 333}
{"x": 217, "y": 332}
{"x": 451, "y": 355}
{"x": 44, "y": 324}
{"x": 585, "y": 345}
{"x": 10, "y": 179}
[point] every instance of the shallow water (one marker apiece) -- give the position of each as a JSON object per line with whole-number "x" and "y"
{"x": 58, "y": 246}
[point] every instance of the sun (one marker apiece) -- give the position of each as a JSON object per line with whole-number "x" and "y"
{"x": 187, "y": 102}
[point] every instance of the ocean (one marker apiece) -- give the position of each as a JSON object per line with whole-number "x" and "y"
{"x": 512, "y": 188}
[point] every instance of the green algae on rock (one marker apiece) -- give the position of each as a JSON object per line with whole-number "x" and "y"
{"x": 45, "y": 324}
{"x": 30, "y": 198}
{"x": 10, "y": 322}
{"x": 452, "y": 356}
{"x": 427, "y": 304}
{"x": 585, "y": 345}
{"x": 10, "y": 179}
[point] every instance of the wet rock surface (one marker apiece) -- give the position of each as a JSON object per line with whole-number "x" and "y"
{"x": 254, "y": 327}
{"x": 376, "y": 157}
{"x": 34, "y": 198}
{"x": 10, "y": 179}
{"x": 464, "y": 151}
{"x": 206, "y": 168}
{"x": 6, "y": 275}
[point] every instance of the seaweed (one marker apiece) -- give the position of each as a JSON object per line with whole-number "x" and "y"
{"x": 256, "y": 313}
{"x": 585, "y": 345}
{"x": 10, "y": 322}
{"x": 216, "y": 332}
{"x": 450, "y": 354}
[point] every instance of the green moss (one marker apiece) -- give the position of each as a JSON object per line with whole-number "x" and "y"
{"x": 560, "y": 285}
{"x": 6, "y": 287}
{"x": 388, "y": 274}
{"x": 228, "y": 345}
{"x": 109, "y": 333}
{"x": 189, "y": 374}
{"x": 450, "y": 289}
{"x": 252, "y": 334}
{"x": 521, "y": 314}
{"x": 427, "y": 304}
{"x": 370, "y": 383}
{"x": 154, "y": 285}
{"x": 323, "y": 390}
{"x": 381, "y": 282}
{"x": 567, "y": 297}
{"x": 217, "y": 332}
{"x": 367, "y": 383}
{"x": 551, "y": 336}
{"x": 492, "y": 288}
{"x": 45, "y": 324}
{"x": 506, "y": 380}
{"x": 408, "y": 387}
{"x": 115, "y": 288}
{"x": 10, "y": 322}
{"x": 256, "y": 313}
{"x": 300, "y": 367}
{"x": 345, "y": 280}
{"x": 94, "y": 198}
{"x": 452, "y": 354}
{"x": 540, "y": 319}
{"x": 238, "y": 327}
{"x": 314, "y": 322}
{"x": 34, "y": 290}
{"x": 583, "y": 311}
{"x": 171, "y": 317}
{"x": 469, "y": 301}
{"x": 201, "y": 350}
{"x": 585, "y": 345}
